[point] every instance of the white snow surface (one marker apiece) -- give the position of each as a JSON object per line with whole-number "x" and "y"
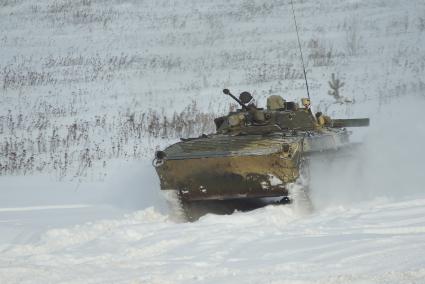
{"x": 67, "y": 217}
{"x": 367, "y": 226}
{"x": 376, "y": 242}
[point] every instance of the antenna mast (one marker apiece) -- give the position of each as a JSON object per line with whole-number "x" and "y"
{"x": 301, "y": 52}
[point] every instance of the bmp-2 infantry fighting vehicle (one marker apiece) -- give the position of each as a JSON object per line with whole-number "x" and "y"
{"x": 254, "y": 153}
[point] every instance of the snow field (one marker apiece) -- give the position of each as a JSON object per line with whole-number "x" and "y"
{"x": 367, "y": 243}
{"x": 89, "y": 82}
{"x": 90, "y": 89}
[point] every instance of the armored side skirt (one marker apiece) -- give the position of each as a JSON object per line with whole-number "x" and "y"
{"x": 230, "y": 177}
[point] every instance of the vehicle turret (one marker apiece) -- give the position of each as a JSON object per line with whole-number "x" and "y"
{"x": 280, "y": 115}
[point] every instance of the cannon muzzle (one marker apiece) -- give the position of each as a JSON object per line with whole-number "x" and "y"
{"x": 227, "y": 92}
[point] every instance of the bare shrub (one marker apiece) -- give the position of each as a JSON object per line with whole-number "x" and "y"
{"x": 353, "y": 40}
{"x": 40, "y": 145}
{"x": 87, "y": 16}
{"x": 92, "y": 67}
{"x": 272, "y": 72}
{"x": 21, "y": 72}
{"x": 13, "y": 77}
{"x": 250, "y": 9}
{"x": 5, "y": 3}
{"x": 79, "y": 12}
{"x": 421, "y": 24}
{"x": 335, "y": 85}
{"x": 319, "y": 54}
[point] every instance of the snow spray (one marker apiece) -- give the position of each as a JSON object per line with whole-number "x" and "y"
{"x": 389, "y": 165}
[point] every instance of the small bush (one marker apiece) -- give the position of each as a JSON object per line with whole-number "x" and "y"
{"x": 353, "y": 40}
{"x": 319, "y": 54}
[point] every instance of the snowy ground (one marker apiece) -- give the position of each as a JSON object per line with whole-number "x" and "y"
{"x": 368, "y": 226}
{"x": 376, "y": 242}
{"x": 89, "y": 89}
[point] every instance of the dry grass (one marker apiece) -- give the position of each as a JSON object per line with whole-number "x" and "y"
{"x": 38, "y": 144}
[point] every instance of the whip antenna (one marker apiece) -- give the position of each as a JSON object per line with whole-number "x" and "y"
{"x": 301, "y": 52}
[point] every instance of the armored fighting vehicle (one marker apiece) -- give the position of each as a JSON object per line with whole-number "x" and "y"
{"x": 255, "y": 152}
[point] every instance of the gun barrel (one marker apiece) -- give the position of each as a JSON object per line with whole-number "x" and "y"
{"x": 227, "y": 92}
{"x": 350, "y": 122}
